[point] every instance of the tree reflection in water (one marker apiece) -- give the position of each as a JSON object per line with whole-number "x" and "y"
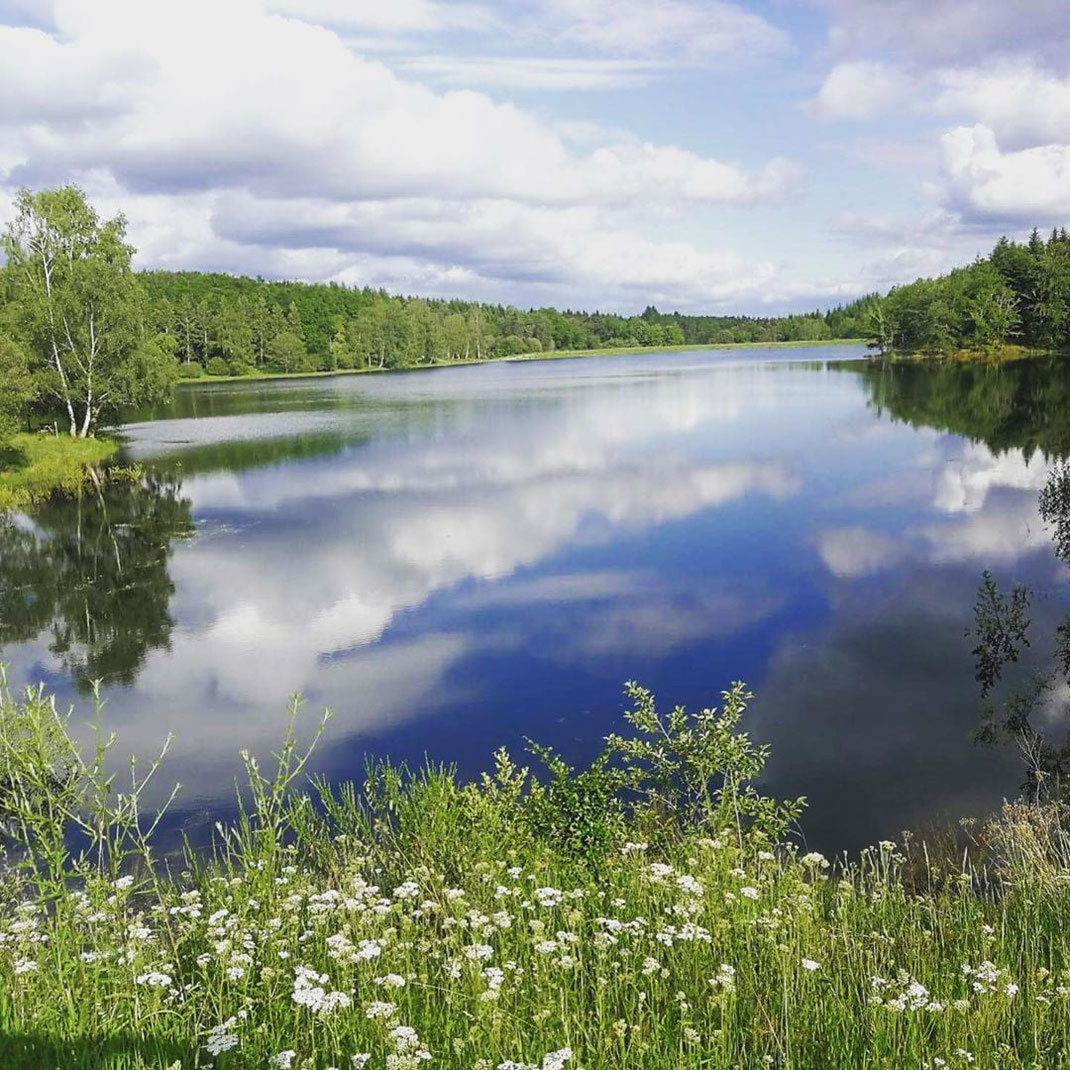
{"x": 1022, "y": 665}
{"x": 91, "y": 571}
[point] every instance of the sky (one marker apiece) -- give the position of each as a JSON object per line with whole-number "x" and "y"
{"x": 699, "y": 155}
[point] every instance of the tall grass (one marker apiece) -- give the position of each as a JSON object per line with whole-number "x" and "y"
{"x": 657, "y": 917}
{"x": 33, "y": 466}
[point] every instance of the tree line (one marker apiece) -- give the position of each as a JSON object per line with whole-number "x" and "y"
{"x": 1018, "y": 295}
{"x": 84, "y": 338}
{"x": 223, "y": 324}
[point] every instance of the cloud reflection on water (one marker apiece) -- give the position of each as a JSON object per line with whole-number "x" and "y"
{"x": 468, "y": 560}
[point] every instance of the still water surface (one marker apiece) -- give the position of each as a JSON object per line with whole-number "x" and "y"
{"x": 454, "y": 560}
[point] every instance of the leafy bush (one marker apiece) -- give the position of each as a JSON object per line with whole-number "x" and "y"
{"x": 680, "y": 772}
{"x": 217, "y": 366}
{"x": 190, "y": 370}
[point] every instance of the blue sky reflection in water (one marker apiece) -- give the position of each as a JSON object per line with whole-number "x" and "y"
{"x": 458, "y": 559}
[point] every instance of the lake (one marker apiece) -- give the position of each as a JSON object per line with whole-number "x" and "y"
{"x": 459, "y": 559}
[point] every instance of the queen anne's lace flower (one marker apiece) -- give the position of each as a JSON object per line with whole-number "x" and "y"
{"x": 310, "y": 991}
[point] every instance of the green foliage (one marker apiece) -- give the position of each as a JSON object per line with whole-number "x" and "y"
{"x": 16, "y": 388}
{"x": 35, "y": 466}
{"x": 581, "y": 813}
{"x": 421, "y": 919}
{"x": 292, "y": 326}
{"x": 679, "y": 772}
{"x": 217, "y": 366}
{"x": 287, "y": 350}
{"x": 76, "y": 308}
{"x": 699, "y": 768}
{"x": 190, "y": 370}
{"x": 1019, "y": 295}
{"x": 61, "y": 808}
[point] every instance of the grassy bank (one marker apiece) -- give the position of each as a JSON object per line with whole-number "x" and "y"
{"x": 32, "y": 466}
{"x": 556, "y": 354}
{"x": 988, "y": 355}
{"x": 648, "y": 912}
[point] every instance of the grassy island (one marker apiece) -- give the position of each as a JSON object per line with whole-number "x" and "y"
{"x": 33, "y": 466}
{"x": 650, "y": 911}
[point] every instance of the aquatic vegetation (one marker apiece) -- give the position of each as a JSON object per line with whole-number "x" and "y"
{"x": 424, "y": 923}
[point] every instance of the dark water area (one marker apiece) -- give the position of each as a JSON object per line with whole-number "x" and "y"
{"x": 456, "y": 560}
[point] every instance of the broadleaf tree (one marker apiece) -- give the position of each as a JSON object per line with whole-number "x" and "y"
{"x": 78, "y": 310}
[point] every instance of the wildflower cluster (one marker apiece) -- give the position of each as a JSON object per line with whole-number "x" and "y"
{"x": 436, "y": 930}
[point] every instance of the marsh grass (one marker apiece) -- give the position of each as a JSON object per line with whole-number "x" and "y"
{"x": 664, "y": 920}
{"x": 33, "y": 466}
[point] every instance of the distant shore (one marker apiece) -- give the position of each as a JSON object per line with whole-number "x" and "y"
{"x": 552, "y": 354}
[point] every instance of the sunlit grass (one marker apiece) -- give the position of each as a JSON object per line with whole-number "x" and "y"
{"x": 32, "y": 466}
{"x": 426, "y": 923}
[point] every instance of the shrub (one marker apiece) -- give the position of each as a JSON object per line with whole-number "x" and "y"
{"x": 217, "y": 366}
{"x": 190, "y": 370}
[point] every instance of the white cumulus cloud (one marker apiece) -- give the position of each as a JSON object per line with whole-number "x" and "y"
{"x": 290, "y": 154}
{"x": 860, "y": 89}
{"x": 1031, "y": 185}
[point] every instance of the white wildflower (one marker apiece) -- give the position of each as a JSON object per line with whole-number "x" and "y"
{"x": 689, "y": 885}
{"x": 220, "y": 1041}
{"x": 310, "y": 991}
{"x": 380, "y": 1009}
{"x": 369, "y": 949}
{"x": 556, "y": 1059}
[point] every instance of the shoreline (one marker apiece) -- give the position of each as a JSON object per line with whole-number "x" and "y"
{"x": 33, "y": 465}
{"x": 552, "y": 354}
{"x": 996, "y": 355}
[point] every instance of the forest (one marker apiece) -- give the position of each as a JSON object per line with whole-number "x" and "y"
{"x": 1019, "y": 295}
{"x": 85, "y": 338}
{"x": 227, "y": 325}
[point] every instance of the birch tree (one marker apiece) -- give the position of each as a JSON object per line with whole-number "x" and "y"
{"x": 78, "y": 309}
